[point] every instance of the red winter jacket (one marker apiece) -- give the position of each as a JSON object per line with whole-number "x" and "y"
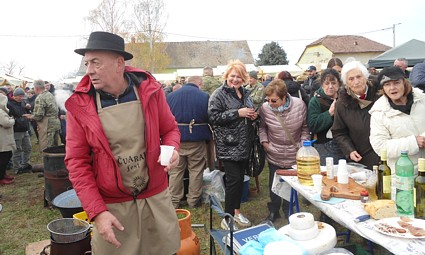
{"x": 93, "y": 170}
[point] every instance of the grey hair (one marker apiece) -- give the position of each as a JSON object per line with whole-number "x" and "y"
{"x": 39, "y": 84}
{"x": 350, "y": 66}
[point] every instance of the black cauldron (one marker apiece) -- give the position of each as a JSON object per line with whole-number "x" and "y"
{"x": 82, "y": 247}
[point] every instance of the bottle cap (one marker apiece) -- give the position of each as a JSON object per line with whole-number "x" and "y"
{"x": 383, "y": 153}
{"x": 364, "y": 193}
{"x": 308, "y": 142}
{"x": 421, "y": 164}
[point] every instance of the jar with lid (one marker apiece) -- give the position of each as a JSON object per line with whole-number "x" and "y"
{"x": 364, "y": 196}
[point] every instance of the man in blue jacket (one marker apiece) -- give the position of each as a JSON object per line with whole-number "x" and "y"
{"x": 190, "y": 107}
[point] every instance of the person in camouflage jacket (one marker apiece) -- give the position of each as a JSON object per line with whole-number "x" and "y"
{"x": 46, "y": 115}
{"x": 209, "y": 83}
{"x": 256, "y": 90}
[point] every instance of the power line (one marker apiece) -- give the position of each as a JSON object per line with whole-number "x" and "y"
{"x": 186, "y": 35}
{"x": 42, "y": 36}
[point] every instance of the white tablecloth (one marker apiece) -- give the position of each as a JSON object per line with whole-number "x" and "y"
{"x": 344, "y": 213}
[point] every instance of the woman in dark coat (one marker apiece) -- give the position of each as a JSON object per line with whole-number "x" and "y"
{"x": 294, "y": 88}
{"x": 351, "y": 127}
{"x": 321, "y": 111}
{"x": 231, "y": 113}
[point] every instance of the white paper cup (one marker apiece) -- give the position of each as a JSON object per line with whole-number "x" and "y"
{"x": 317, "y": 182}
{"x": 166, "y": 153}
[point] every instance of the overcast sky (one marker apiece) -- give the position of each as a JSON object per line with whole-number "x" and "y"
{"x": 42, "y": 35}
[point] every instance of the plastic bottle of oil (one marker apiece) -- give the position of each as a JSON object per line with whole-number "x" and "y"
{"x": 308, "y": 163}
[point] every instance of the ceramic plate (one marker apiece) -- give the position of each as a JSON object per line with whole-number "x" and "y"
{"x": 393, "y": 223}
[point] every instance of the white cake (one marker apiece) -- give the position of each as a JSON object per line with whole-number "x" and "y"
{"x": 302, "y": 227}
{"x": 305, "y": 231}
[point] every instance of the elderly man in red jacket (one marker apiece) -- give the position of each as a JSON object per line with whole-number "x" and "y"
{"x": 117, "y": 119}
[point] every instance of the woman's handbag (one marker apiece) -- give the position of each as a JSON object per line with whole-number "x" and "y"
{"x": 257, "y": 155}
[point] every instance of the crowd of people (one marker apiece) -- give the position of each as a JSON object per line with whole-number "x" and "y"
{"x": 334, "y": 107}
{"x": 34, "y": 111}
{"x": 118, "y": 116}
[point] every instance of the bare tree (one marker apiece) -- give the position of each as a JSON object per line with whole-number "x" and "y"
{"x": 142, "y": 32}
{"x": 11, "y": 67}
{"x": 109, "y": 16}
{"x": 150, "y": 18}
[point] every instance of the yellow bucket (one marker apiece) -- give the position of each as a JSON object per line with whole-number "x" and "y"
{"x": 83, "y": 216}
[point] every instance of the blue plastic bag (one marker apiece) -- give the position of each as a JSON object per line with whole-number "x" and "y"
{"x": 252, "y": 248}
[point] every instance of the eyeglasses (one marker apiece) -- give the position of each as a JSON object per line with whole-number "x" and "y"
{"x": 271, "y": 100}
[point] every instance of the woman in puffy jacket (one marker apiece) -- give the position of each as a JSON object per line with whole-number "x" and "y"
{"x": 231, "y": 113}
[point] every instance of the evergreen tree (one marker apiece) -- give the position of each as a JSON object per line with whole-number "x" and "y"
{"x": 272, "y": 54}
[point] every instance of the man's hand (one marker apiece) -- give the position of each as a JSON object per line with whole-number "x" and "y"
{"x": 105, "y": 222}
{"x": 355, "y": 156}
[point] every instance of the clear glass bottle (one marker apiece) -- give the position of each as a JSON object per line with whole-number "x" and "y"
{"x": 383, "y": 187}
{"x": 308, "y": 163}
{"x": 420, "y": 190}
{"x": 404, "y": 170}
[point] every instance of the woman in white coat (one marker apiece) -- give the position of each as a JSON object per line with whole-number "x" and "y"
{"x": 398, "y": 120}
{"x": 7, "y": 141}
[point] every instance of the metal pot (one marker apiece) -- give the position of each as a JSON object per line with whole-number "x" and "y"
{"x": 68, "y": 203}
{"x": 82, "y": 247}
{"x": 68, "y": 230}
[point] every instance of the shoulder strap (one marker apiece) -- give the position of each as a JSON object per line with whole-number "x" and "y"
{"x": 285, "y": 129}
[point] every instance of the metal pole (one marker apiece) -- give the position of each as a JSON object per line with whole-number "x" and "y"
{"x": 151, "y": 48}
{"x": 394, "y": 33}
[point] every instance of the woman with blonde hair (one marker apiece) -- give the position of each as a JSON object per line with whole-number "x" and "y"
{"x": 231, "y": 113}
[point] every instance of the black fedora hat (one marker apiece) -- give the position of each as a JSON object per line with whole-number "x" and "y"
{"x": 105, "y": 41}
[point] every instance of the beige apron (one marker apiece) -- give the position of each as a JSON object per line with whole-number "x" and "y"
{"x": 42, "y": 133}
{"x": 45, "y": 139}
{"x": 124, "y": 127}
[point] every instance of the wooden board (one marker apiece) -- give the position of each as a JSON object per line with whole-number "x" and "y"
{"x": 331, "y": 188}
{"x": 37, "y": 247}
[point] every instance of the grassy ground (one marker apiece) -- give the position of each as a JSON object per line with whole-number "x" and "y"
{"x": 24, "y": 217}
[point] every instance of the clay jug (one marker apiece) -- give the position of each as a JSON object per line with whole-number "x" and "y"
{"x": 190, "y": 244}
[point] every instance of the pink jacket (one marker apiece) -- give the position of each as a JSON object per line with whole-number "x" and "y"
{"x": 93, "y": 170}
{"x": 282, "y": 152}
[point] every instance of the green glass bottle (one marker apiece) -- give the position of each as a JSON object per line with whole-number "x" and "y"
{"x": 404, "y": 170}
{"x": 383, "y": 186}
{"x": 420, "y": 190}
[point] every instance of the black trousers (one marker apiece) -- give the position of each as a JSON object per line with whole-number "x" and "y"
{"x": 234, "y": 174}
{"x": 275, "y": 201}
{"x": 5, "y": 157}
